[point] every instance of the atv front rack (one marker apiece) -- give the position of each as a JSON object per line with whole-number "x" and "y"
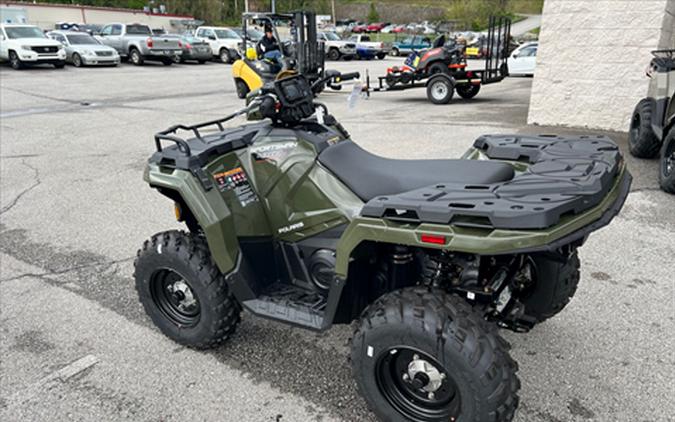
{"x": 559, "y": 177}
{"x": 182, "y": 144}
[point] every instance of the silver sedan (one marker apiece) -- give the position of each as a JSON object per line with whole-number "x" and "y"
{"x": 84, "y": 50}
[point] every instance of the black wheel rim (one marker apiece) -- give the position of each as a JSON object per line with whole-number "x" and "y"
{"x": 417, "y": 395}
{"x": 669, "y": 159}
{"x": 175, "y": 298}
{"x": 635, "y": 128}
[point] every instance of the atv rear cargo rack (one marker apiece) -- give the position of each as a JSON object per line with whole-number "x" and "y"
{"x": 564, "y": 176}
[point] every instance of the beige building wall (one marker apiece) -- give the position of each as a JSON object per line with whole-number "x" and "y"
{"x": 592, "y": 59}
{"x": 45, "y": 16}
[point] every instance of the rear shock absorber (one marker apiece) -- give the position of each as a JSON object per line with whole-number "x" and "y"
{"x": 401, "y": 262}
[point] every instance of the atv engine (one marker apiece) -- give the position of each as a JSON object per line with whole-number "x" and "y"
{"x": 493, "y": 283}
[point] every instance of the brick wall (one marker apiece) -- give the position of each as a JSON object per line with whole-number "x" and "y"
{"x": 592, "y": 57}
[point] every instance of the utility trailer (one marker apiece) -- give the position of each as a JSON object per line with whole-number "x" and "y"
{"x": 443, "y": 69}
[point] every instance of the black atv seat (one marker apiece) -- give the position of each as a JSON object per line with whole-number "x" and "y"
{"x": 369, "y": 176}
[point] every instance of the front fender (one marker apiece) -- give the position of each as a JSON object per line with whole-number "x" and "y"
{"x": 208, "y": 208}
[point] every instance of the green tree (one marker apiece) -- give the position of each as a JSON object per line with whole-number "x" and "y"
{"x": 373, "y": 16}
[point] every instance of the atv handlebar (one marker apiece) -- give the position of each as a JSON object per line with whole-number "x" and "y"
{"x": 271, "y": 102}
{"x": 349, "y": 76}
{"x": 333, "y": 76}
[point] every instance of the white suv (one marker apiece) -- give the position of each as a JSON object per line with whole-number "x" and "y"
{"x": 224, "y": 42}
{"x": 27, "y": 45}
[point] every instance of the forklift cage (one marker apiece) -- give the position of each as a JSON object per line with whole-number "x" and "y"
{"x": 307, "y": 51}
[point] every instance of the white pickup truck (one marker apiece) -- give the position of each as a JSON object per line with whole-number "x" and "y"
{"x": 224, "y": 42}
{"x": 367, "y": 49}
{"x": 136, "y": 42}
{"x": 23, "y": 45}
{"x": 337, "y": 48}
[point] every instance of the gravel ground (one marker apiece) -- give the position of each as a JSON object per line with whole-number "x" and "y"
{"x": 75, "y": 343}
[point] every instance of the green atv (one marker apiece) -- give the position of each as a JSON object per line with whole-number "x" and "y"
{"x": 291, "y": 220}
{"x": 652, "y": 127}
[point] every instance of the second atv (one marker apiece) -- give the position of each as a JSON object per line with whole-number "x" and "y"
{"x": 291, "y": 220}
{"x": 652, "y": 127}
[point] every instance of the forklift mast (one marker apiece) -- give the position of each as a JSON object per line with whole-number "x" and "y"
{"x": 309, "y": 51}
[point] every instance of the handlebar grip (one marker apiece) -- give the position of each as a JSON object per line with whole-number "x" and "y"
{"x": 349, "y": 76}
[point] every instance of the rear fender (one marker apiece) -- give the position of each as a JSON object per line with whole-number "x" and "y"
{"x": 481, "y": 241}
{"x": 207, "y": 207}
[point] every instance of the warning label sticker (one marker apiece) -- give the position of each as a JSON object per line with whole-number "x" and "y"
{"x": 235, "y": 180}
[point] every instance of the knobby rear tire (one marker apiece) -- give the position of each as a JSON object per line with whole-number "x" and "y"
{"x": 447, "y": 328}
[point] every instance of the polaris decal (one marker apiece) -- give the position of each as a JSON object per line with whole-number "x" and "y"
{"x": 292, "y": 227}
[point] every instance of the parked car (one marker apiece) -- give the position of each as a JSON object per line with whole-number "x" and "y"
{"x": 23, "y": 45}
{"x": 336, "y": 47}
{"x": 252, "y": 34}
{"x": 359, "y": 28}
{"x": 367, "y": 49}
{"x": 407, "y": 45}
{"x": 375, "y": 27}
{"x": 136, "y": 42}
{"x": 398, "y": 29}
{"x": 91, "y": 29}
{"x": 84, "y": 50}
{"x": 523, "y": 60}
{"x": 224, "y": 42}
{"x": 193, "y": 49}
{"x": 344, "y": 25}
{"x": 427, "y": 29}
{"x": 388, "y": 29}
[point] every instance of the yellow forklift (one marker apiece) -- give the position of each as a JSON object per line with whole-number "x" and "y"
{"x": 302, "y": 53}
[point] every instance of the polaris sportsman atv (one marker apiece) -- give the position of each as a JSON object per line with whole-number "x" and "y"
{"x": 652, "y": 127}
{"x": 291, "y": 220}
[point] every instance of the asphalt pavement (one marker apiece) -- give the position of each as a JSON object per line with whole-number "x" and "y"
{"x": 76, "y": 345}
